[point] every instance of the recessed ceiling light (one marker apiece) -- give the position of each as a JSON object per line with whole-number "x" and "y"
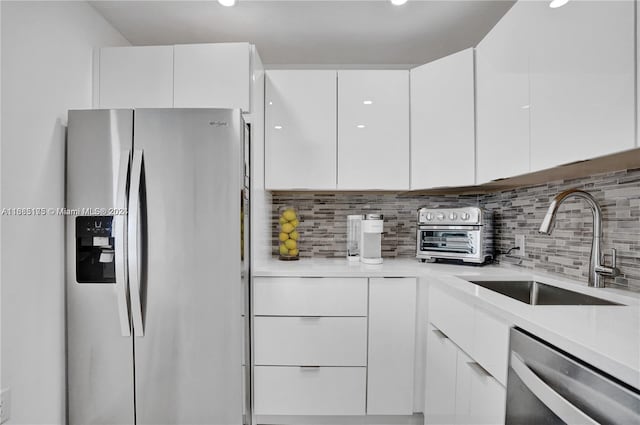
{"x": 360, "y": 125}
{"x": 367, "y": 102}
{"x": 227, "y": 3}
{"x": 278, "y": 127}
{"x": 558, "y": 3}
{"x": 398, "y": 2}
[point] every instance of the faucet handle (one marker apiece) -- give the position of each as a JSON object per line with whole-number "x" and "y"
{"x": 614, "y": 258}
{"x": 610, "y": 271}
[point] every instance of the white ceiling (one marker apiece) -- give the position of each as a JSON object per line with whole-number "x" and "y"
{"x": 311, "y": 32}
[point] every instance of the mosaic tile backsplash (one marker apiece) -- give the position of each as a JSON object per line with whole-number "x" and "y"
{"x": 518, "y": 211}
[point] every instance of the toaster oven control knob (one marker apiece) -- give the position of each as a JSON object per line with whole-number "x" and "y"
{"x": 464, "y": 216}
{"x": 453, "y": 216}
{"x": 429, "y": 216}
{"x": 440, "y": 216}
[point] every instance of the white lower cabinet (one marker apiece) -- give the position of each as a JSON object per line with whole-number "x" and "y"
{"x": 478, "y": 333}
{"x": 491, "y": 344}
{"x": 487, "y": 401}
{"x": 392, "y": 318}
{"x": 440, "y": 391}
{"x": 480, "y": 399}
{"x": 310, "y": 390}
{"x": 463, "y": 387}
{"x": 466, "y": 362}
{"x": 458, "y": 389}
{"x": 333, "y": 346}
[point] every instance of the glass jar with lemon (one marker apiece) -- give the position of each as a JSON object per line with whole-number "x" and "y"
{"x": 288, "y": 236}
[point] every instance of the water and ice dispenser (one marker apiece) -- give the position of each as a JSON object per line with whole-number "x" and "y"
{"x": 95, "y": 262}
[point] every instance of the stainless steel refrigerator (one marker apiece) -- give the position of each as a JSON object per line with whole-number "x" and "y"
{"x": 157, "y": 276}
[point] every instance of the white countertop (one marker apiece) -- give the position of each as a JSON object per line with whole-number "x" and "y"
{"x": 607, "y": 337}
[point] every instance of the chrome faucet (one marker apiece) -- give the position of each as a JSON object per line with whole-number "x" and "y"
{"x": 597, "y": 270}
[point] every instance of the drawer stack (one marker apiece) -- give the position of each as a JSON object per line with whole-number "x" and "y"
{"x": 310, "y": 346}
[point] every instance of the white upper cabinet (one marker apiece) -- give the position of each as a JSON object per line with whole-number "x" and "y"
{"x": 582, "y": 75}
{"x": 184, "y": 76}
{"x": 502, "y": 84}
{"x": 213, "y": 76}
{"x": 135, "y": 77}
{"x": 443, "y": 122}
{"x": 300, "y": 130}
{"x": 373, "y": 130}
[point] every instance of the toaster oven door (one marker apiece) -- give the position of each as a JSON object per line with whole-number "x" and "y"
{"x": 458, "y": 242}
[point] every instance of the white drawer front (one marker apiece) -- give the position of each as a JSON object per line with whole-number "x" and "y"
{"x": 309, "y": 391}
{"x": 453, "y": 317}
{"x": 491, "y": 345}
{"x": 296, "y": 296}
{"x": 315, "y": 341}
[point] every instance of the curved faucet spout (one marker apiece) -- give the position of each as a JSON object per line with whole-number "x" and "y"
{"x": 550, "y": 218}
{"x": 596, "y": 268}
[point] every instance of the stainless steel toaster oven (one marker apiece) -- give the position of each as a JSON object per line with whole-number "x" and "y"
{"x": 462, "y": 234}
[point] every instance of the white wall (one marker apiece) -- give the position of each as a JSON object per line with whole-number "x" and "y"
{"x": 46, "y": 69}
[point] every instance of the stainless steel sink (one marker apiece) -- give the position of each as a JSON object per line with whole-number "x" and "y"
{"x": 537, "y": 293}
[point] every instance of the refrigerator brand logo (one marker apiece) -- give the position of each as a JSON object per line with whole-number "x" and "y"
{"x": 219, "y": 123}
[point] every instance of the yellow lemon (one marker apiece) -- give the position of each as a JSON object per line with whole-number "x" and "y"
{"x": 283, "y": 220}
{"x": 283, "y": 250}
{"x": 283, "y": 236}
{"x": 290, "y": 244}
{"x": 293, "y": 252}
{"x": 287, "y": 227}
{"x": 294, "y": 222}
{"x": 289, "y": 215}
{"x": 294, "y": 235}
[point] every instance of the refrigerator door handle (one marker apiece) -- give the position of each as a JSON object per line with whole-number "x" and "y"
{"x": 120, "y": 226}
{"x": 133, "y": 243}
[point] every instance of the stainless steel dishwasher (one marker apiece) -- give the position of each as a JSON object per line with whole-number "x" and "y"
{"x": 548, "y": 386}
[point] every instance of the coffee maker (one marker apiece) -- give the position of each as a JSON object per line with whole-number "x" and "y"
{"x": 371, "y": 229}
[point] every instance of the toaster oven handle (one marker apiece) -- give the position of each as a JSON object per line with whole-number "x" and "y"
{"x": 445, "y": 227}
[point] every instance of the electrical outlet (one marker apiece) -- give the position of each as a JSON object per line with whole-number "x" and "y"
{"x": 5, "y": 405}
{"x": 520, "y": 242}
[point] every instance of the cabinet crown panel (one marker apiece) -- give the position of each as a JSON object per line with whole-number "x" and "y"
{"x": 216, "y": 75}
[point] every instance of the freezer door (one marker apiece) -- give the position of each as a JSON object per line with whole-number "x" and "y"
{"x": 99, "y": 358}
{"x": 188, "y": 363}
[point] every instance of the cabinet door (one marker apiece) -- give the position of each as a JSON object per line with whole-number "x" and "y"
{"x": 463, "y": 388}
{"x": 480, "y": 399}
{"x": 440, "y": 391}
{"x": 213, "y": 76}
{"x": 443, "y": 122}
{"x": 300, "y": 134}
{"x": 502, "y": 79}
{"x": 136, "y": 77}
{"x": 392, "y": 321}
{"x": 487, "y": 400}
{"x": 373, "y": 130}
{"x": 582, "y": 75}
